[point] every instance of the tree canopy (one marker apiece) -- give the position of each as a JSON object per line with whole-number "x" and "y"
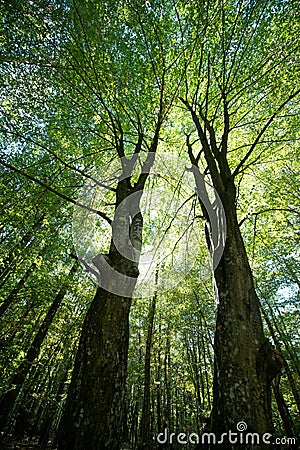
{"x": 189, "y": 112}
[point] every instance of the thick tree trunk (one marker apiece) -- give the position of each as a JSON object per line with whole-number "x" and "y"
{"x": 94, "y": 410}
{"x": 245, "y": 362}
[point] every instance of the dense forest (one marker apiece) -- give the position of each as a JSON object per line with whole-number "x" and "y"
{"x": 150, "y": 224}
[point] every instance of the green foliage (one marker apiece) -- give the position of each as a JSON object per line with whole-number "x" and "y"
{"x": 82, "y": 81}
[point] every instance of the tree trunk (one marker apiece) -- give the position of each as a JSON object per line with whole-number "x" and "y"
{"x": 168, "y": 381}
{"x": 44, "y": 432}
{"x": 283, "y": 408}
{"x": 159, "y": 380}
{"x": 95, "y": 406}
{"x": 146, "y": 440}
{"x": 21, "y": 246}
{"x": 10, "y": 298}
{"x": 286, "y": 366}
{"x": 94, "y": 411}
{"x": 245, "y": 362}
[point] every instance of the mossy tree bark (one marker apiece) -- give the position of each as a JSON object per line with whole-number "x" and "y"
{"x": 94, "y": 409}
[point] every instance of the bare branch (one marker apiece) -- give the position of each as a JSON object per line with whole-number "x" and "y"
{"x": 224, "y": 142}
{"x": 213, "y": 169}
{"x": 264, "y": 211}
{"x": 61, "y": 160}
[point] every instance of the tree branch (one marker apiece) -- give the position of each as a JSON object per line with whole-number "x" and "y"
{"x": 213, "y": 169}
{"x": 258, "y": 213}
{"x": 54, "y": 191}
{"x": 262, "y": 131}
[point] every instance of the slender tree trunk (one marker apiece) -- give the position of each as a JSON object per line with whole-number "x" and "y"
{"x": 283, "y": 408}
{"x": 159, "y": 380}
{"x": 20, "y": 246}
{"x": 168, "y": 381}
{"x": 286, "y": 366}
{"x": 10, "y": 298}
{"x": 146, "y": 440}
{"x": 206, "y": 390}
{"x": 290, "y": 351}
{"x": 50, "y": 414}
{"x": 8, "y": 399}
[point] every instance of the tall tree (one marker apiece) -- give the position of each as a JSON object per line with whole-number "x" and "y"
{"x": 94, "y": 412}
{"x": 236, "y": 61}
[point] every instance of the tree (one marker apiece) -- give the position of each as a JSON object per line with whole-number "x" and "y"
{"x": 145, "y": 420}
{"x": 95, "y": 417}
{"x": 237, "y": 59}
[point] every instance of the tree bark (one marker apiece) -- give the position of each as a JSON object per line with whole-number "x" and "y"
{"x": 245, "y": 362}
{"x": 94, "y": 411}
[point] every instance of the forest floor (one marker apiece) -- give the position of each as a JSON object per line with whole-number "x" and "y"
{"x": 12, "y": 443}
